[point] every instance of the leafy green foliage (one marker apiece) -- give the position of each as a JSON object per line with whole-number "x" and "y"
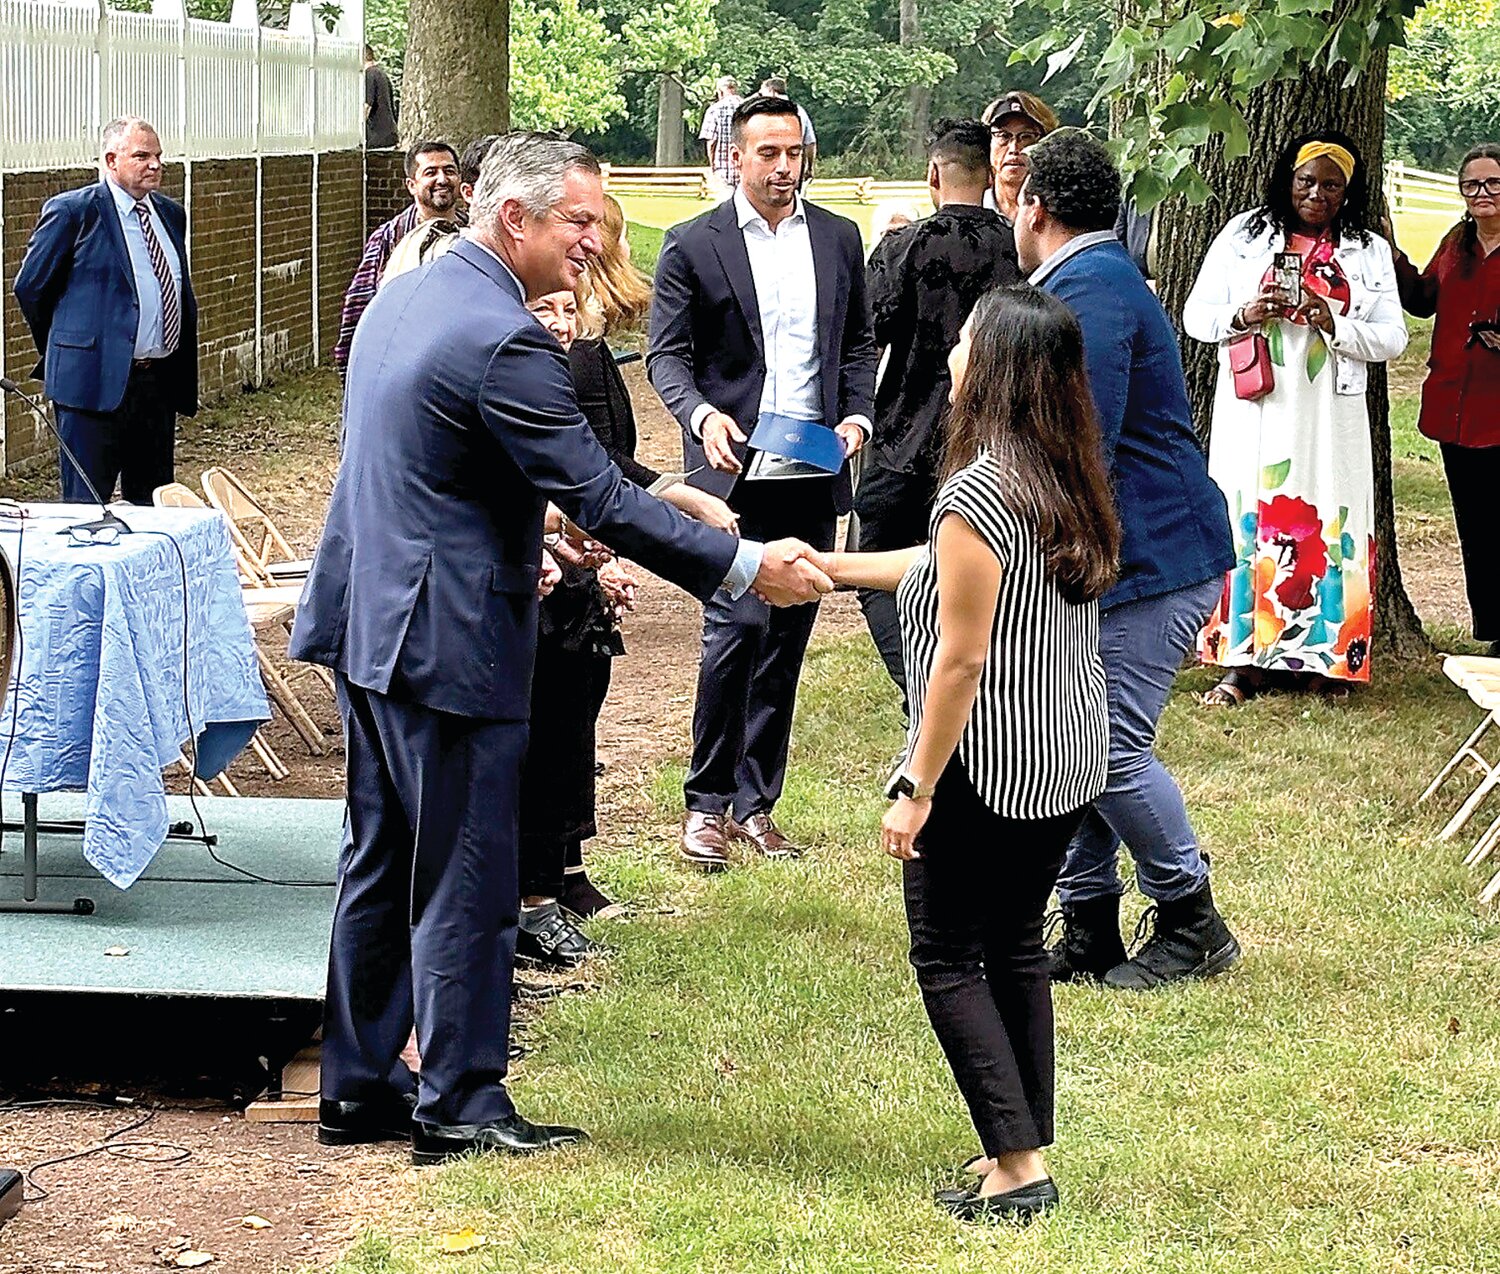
{"x": 1445, "y": 94}
{"x": 564, "y": 69}
{"x": 1178, "y": 72}
{"x": 672, "y": 38}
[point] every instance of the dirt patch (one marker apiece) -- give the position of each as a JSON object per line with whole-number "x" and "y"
{"x": 117, "y": 1215}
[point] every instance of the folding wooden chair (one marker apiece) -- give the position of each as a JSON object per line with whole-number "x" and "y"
{"x": 265, "y": 615}
{"x": 258, "y": 537}
{"x": 1479, "y": 678}
{"x": 267, "y": 607}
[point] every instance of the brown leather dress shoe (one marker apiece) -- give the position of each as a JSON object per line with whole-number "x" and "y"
{"x": 761, "y": 831}
{"x": 705, "y": 842}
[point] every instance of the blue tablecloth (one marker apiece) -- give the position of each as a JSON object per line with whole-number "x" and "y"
{"x": 97, "y": 700}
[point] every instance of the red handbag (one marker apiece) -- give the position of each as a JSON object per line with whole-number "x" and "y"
{"x": 1250, "y": 362}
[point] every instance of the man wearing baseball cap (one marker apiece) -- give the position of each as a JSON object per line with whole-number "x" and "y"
{"x": 1017, "y": 121}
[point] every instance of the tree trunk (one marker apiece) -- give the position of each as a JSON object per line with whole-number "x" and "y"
{"x": 918, "y": 96}
{"x": 456, "y": 81}
{"x": 668, "y": 121}
{"x": 1275, "y": 114}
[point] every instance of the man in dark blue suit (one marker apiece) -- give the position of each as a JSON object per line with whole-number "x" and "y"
{"x": 760, "y": 308}
{"x": 1176, "y": 548}
{"x": 104, "y": 288}
{"x": 460, "y": 425}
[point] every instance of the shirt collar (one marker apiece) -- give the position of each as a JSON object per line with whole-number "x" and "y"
{"x": 745, "y": 213}
{"x": 124, "y": 200}
{"x": 484, "y": 247}
{"x": 1069, "y": 250}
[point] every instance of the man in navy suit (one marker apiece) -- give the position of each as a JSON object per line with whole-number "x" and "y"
{"x": 760, "y": 307}
{"x": 1175, "y": 551}
{"x": 104, "y": 288}
{"x": 460, "y": 425}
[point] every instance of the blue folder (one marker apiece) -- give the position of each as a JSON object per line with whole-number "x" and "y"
{"x": 810, "y": 441}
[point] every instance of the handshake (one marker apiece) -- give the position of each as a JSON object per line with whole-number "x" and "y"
{"x": 792, "y": 572}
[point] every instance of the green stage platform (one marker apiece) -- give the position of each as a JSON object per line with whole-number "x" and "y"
{"x": 190, "y": 927}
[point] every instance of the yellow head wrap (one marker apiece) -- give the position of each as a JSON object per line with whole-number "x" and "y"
{"x": 1329, "y": 150}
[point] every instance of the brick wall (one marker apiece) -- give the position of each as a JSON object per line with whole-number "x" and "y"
{"x": 385, "y": 187}
{"x": 221, "y": 199}
{"x": 222, "y": 251}
{"x": 286, "y": 263}
{"x": 341, "y": 238}
{"x": 21, "y": 198}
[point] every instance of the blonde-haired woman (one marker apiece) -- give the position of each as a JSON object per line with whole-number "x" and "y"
{"x": 612, "y": 302}
{"x": 579, "y": 621}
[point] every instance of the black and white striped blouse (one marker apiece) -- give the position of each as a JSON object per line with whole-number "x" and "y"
{"x": 1036, "y": 743}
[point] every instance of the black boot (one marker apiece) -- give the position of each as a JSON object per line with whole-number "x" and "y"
{"x": 1091, "y": 944}
{"x": 1189, "y": 940}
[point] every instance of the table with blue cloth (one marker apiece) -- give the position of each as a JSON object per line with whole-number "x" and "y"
{"x": 101, "y": 696}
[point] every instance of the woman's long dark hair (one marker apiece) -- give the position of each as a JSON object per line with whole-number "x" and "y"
{"x": 1353, "y": 218}
{"x": 1466, "y": 232}
{"x": 1025, "y": 399}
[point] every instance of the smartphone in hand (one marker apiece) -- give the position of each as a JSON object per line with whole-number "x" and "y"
{"x": 1286, "y": 272}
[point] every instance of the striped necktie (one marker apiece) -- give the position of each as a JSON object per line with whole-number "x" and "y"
{"x": 171, "y": 313}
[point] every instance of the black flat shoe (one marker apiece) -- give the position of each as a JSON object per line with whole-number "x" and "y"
{"x": 546, "y": 937}
{"x": 1019, "y": 1206}
{"x": 360, "y": 1123}
{"x": 514, "y": 1135}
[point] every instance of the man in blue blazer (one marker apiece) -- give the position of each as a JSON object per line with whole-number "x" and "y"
{"x": 460, "y": 425}
{"x": 1175, "y": 551}
{"x": 104, "y": 288}
{"x": 760, "y": 307}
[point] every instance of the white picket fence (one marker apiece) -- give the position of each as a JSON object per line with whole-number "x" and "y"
{"x": 1414, "y": 190}
{"x": 212, "y": 89}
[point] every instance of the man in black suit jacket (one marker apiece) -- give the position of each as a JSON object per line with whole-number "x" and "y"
{"x": 460, "y": 424}
{"x": 104, "y": 288}
{"x": 760, "y": 307}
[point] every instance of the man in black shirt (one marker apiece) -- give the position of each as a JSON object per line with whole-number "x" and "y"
{"x": 380, "y": 105}
{"x": 923, "y": 281}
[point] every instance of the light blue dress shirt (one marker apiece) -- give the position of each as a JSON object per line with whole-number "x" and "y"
{"x": 149, "y": 340}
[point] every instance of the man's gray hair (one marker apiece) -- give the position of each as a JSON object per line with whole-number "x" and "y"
{"x": 529, "y": 168}
{"x": 117, "y": 130}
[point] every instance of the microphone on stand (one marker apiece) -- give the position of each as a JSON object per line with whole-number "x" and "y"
{"x": 106, "y": 518}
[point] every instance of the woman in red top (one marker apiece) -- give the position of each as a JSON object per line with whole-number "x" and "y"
{"x": 1461, "y": 396}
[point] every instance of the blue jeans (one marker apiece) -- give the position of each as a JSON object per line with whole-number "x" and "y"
{"x": 1142, "y": 644}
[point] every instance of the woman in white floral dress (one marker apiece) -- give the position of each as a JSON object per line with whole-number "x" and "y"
{"x": 1290, "y": 445}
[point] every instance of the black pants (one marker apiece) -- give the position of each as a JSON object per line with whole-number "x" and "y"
{"x": 894, "y": 510}
{"x": 132, "y": 444}
{"x": 558, "y": 779}
{"x": 752, "y": 660}
{"x": 975, "y": 901}
{"x": 1473, "y": 475}
{"x": 424, "y": 925}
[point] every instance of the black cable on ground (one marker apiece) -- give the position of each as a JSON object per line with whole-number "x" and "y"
{"x": 159, "y": 1153}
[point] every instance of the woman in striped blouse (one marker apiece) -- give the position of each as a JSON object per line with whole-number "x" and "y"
{"x": 1009, "y": 729}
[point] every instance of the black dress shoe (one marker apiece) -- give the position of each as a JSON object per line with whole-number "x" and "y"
{"x": 547, "y": 937}
{"x": 1018, "y": 1206}
{"x": 513, "y": 1135}
{"x": 359, "y": 1123}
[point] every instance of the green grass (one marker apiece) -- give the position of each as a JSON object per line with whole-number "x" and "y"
{"x": 764, "y": 1092}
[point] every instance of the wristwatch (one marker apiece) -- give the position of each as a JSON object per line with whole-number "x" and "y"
{"x": 904, "y": 783}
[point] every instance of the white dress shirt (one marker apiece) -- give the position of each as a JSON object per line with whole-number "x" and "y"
{"x": 786, "y": 292}
{"x": 150, "y": 341}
